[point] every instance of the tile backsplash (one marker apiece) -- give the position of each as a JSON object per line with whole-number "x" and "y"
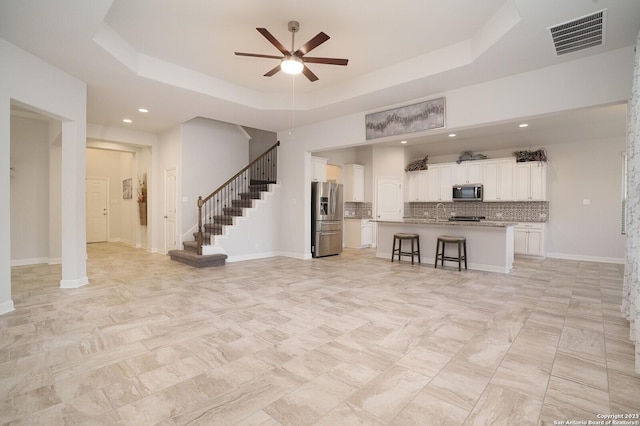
{"x": 523, "y": 211}
{"x": 358, "y": 210}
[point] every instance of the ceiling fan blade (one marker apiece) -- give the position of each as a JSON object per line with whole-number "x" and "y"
{"x": 330, "y": 61}
{"x": 307, "y": 73}
{"x": 257, "y": 55}
{"x": 312, "y": 44}
{"x": 273, "y": 41}
{"x": 273, "y": 71}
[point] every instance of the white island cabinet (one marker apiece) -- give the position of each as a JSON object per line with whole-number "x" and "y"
{"x": 489, "y": 244}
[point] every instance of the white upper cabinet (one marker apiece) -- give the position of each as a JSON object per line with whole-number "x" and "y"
{"x": 503, "y": 179}
{"x": 531, "y": 181}
{"x": 467, "y": 172}
{"x": 318, "y": 169}
{"x": 353, "y": 178}
{"x": 416, "y": 188}
{"x": 439, "y": 182}
{"x": 498, "y": 180}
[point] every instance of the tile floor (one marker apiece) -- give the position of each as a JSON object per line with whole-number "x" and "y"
{"x": 344, "y": 340}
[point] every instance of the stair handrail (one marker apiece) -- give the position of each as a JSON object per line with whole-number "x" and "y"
{"x": 202, "y": 201}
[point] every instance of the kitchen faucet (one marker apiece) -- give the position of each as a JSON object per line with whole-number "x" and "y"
{"x": 443, "y": 209}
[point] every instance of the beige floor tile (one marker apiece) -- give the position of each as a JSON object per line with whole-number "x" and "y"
{"x": 387, "y": 394}
{"x": 568, "y": 400}
{"x": 348, "y": 339}
{"x": 428, "y": 409}
{"x": 581, "y": 370}
{"x": 503, "y": 406}
{"x": 460, "y": 383}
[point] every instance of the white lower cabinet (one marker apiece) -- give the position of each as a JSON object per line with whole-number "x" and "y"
{"x": 358, "y": 233}
{"x": 529, "y": 239}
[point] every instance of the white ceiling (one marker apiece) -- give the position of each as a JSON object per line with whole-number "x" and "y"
{"x": 176, "y": 57}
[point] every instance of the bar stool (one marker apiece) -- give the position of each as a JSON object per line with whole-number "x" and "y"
{"x": 462, "y": 250}
{"x": 415, "y": 249}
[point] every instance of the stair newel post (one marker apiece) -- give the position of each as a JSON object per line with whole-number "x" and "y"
{"x": 199, "y": 236}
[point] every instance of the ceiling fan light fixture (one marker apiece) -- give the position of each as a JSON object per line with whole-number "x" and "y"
{"x": 291, "y": 65}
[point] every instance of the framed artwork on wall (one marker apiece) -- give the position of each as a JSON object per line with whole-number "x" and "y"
{"x": 127, "y": 189}
{"x": 407, "y": 119}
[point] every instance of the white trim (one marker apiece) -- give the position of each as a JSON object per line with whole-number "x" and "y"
{"x": 32, "y": 261}
{"x": 55, "y": 261}
{"x": 252, "y": 256}
{"x": 6, "y": 307}
{"x": 578, "y": 257}
{"x": 74, "y": 283}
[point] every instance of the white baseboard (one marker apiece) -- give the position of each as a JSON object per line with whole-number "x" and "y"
{"x": 582, "y": 258}
{"x": 74, "y": 283}
{"x": 253, "y": 256}
{"x": 6, "y": 307}
{"x": 33, "y": 261}
{"x": 55, "y": 261}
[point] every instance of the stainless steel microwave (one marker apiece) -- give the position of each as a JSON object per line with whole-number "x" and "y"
{"x": 469, "y": 192}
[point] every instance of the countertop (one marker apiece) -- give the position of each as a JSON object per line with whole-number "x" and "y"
{"x": 482, "y": 223}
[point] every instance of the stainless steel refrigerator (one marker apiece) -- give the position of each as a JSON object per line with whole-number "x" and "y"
{"x": 326, "y": 218}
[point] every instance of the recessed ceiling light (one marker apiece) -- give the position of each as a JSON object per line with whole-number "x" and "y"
{"x": 143, "y": 110}
{"x": 127, "y": 120}
{"x": 523, "y": 125}
{"x": 452, "y": 135}
{"x": 403, "y": 141}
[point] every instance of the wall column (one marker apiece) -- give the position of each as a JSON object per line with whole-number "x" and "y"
{"x": 74, "y": 241}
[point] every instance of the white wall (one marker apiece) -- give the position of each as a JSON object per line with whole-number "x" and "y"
{"x": 566, "y": 86}
{"x": 29, "y": 81}
{"x": 589, "y": 170}
{"x": 261, "y": 141}
{"x": 29, "y": 190}
{"x": 212, "y": 152}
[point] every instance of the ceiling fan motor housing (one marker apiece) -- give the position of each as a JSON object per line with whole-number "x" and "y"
{"x": 294, "y": 26}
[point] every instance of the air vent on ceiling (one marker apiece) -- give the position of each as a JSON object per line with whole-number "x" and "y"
{"x": 582, "y": 33}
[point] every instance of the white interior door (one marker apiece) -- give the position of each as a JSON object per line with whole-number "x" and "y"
{"x": 389, "y": 198}
{"x": 170, "y": 202}
{"x": 97, "y": 214}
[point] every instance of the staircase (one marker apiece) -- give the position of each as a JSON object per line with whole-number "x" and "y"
{"x": 221, "y": 207}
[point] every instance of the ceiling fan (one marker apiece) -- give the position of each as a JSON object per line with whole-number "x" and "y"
{"x": 294, "y": 61}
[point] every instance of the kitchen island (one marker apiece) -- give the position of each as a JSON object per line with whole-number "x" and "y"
{"x": 489, "y": 244}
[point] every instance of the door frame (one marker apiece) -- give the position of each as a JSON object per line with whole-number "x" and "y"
{"x": 178, "y": 235}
